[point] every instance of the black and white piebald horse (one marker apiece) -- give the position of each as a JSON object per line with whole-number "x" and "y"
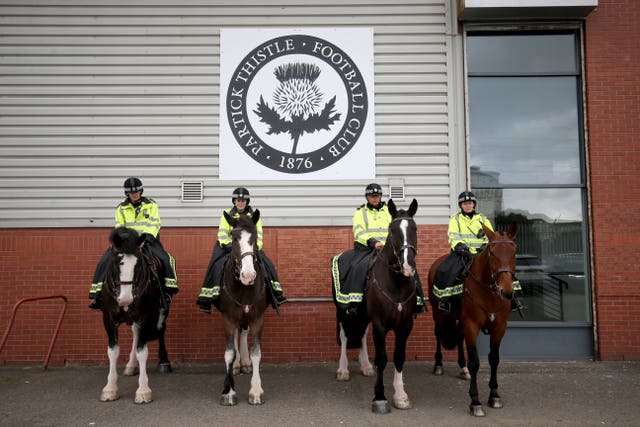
{"x": 243, "y": 301}
{"x": 132, "y": 294}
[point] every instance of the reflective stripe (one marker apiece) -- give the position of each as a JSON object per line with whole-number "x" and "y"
{"x": 210, "y": 292}
{"x": 447, "y": 292}
{"x": 340, "y": 297}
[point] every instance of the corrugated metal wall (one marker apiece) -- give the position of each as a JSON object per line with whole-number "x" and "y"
{"x": 94, "y": 91}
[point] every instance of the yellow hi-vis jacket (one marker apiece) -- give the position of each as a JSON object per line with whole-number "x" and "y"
{"x": 371, "y": 224}
{"x": 143, "y": 218}
{"x": 463, "y": 229}
{"x": 224, "y": 229}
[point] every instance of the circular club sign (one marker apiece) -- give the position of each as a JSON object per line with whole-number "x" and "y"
{"x": 297, "y": 104}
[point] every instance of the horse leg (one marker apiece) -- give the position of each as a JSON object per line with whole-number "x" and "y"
{"x": 245, "y": 364}
{"x": 343, "y": 364}
{"x": 366, "y": 368}
{"x": 164, "y": 366}
{"x": 437, "y": 367}
{"x": 110, "y": 391}
{"x": 494, "y": 361}
{"x": 400, "y": 398}
{"x": 143, "y": 393}
{"x": 228, "y": 397}
{"x": 474, "y": 365}
{"x": 131, "y": 368}
{"x": 256, "y": 392}
{"x": 462, "y": 362}
{"x": 380, "y": 405}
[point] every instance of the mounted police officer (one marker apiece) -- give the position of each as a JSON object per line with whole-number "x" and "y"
{"x": 210, "y": 292}
{"x": 351, "y": 268}
{"x": 466, "y": 239}
{"x": 141, "y": 214}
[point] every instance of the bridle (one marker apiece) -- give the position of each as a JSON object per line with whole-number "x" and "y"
{"x": 494, "y": 287}
{"x": 397, "y": 253}
{"x": 114, "y": 287}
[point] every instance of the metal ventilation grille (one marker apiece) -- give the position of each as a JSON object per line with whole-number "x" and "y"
{"x": 396, "y": 192}
{"x": 192, "y": 191}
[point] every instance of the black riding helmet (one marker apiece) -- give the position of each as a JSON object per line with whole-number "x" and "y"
{"x": 373, "y": 189}
{"x": 466, "y": 196}
{"x": 132, "y": 185}
{"x": 240, "y": 193}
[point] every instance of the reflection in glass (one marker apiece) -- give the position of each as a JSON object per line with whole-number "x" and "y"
{"x": 522, "y": 54}
{"x": 527, "y": 128}
{"x": 551, "y": 259}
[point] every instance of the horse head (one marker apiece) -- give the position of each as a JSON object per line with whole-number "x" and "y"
{"x": 244, "y": 245}
{"x": 403, "y": 238}
{"x": 501, "y": 252}
{"x": 125, "y": 244}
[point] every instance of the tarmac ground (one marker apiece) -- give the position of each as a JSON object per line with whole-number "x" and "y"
{"x": 583, "y": 393}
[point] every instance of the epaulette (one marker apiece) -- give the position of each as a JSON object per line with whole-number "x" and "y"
{"x": 147, "y": 199}
{"x": 361, "y": 206}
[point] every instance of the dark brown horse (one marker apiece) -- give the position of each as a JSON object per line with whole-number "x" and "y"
{"x": 486, "y": 304}
{"x": 243, "y": 301}
{"x": 390, "y": 299}
{"x": 132, "y": 294}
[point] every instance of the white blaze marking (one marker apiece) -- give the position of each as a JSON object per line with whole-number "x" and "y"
{"x": 406, "y": 268}
{"x": 247, "y": 273}
{"x": 127, "y": 266}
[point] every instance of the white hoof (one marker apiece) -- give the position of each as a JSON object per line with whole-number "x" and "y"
{"x": 143, "y": 396}
{"x": 477, "y": 410}
{"x": 342, "y": 376}
{"x": 438, "y": 370}
{"x": 402, "y": 402}
{"x": 130, "y": 371}
{"x": 255, "y": 400}
{"x": 464, "y": 374}
{"x": 109, "y": 395}
{"x": 369, "y": 371}
{"x": 228, "y": 400}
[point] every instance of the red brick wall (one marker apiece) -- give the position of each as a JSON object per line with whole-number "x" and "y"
{"x": 613, "y": 108}
{"x": 40, "y": 262}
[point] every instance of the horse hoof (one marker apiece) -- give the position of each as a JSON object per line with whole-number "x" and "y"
{"x": 380, "y": 407}
{"x": 130, "y": 371}
{"x": 144, "y": 397}
{"x": 464, "y": 374}
{"x": 477, "y": 410}
{"x": 165, "y": 368}
{"x": 437, "y": 370}
{"x": 109, "y": 395}
{"x": 236, "y": 370}
{"x": 248, "y": 369}
{"x": 369, "y": 372}
{"x": 495, "y": 402}
{"x": 255, "y": 400}
{"x": 402, "y": 403}
{"x": 342, "y": 376}
{"x": 228, "y": 400}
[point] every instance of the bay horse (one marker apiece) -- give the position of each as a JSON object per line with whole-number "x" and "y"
{"x": 485, "y": 306}
{"x": 132, "y": 294}
{"x": 388, "y": 304}
{"x": 243, "y": 301}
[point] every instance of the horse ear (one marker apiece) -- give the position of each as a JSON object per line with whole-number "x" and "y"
{"x": 413, "y": 208}
{"x": 490, "y": 234}
{"x": 392, "y": 208}
{"x": 231, "y": 220}
{"x": 255, "y": 216}
{"x": 513, "y": 230}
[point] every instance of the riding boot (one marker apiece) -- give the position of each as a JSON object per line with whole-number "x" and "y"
{"x": 516, "y": 304}
{"x": 444, "y": 305}
{"x": 205, "y": 304}
{"x": 96, "y": 304}
{"x": 421, "y": 301}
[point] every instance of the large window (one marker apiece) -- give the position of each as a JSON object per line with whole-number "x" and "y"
{"x": 527, "y": 164}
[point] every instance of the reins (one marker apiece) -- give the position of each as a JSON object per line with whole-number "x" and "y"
{"x": 494, "y": 287}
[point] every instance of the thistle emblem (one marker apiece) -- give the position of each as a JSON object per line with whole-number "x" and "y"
{"x": 296, "y": 101}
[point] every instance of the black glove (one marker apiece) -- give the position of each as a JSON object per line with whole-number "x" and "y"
{"x": 463, "y": 250}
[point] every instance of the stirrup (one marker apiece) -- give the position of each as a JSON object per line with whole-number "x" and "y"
{"x": 444, "y": 306}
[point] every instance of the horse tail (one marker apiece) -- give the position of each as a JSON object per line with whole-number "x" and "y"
{"x": 449, "y": 332}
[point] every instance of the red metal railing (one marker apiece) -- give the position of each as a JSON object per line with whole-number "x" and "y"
{"x": 55, "y": 332}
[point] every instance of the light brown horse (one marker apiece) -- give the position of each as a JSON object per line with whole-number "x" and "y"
{"x": 243, "y": 301}
{"x": 486, "y": 305}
